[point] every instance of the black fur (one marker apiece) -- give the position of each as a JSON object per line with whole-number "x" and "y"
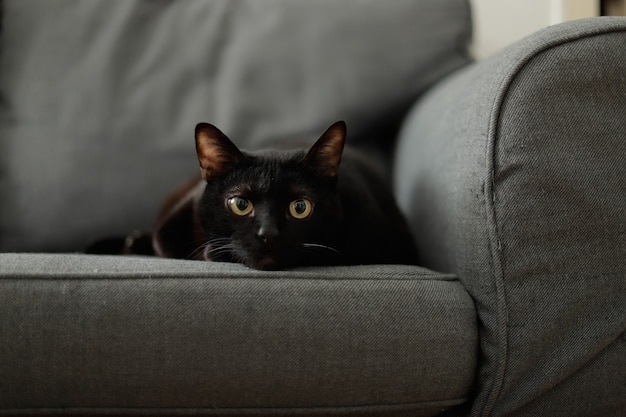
{"x": 354, "y": 219}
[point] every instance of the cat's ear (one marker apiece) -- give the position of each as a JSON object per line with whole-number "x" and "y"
{"x": 325, "y": 155}
{"x": 215, "y": 151}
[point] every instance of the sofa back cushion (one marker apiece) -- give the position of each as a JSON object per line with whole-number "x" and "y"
{"x": 100, "y": 97}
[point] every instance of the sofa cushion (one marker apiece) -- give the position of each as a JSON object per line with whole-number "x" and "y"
{"x": 100, "y": 98}
{"x": 157, "y": 336}
{"x": 514, "y": 173}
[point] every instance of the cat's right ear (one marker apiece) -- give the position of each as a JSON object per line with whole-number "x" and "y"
{"x": 215, "y": 151}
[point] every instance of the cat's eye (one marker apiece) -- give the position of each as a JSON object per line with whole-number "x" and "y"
{"x": 240, "y": 206}
{"x": 300, "y": 208}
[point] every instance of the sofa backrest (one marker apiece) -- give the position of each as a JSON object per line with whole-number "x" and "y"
{"x": 100, "y": 97}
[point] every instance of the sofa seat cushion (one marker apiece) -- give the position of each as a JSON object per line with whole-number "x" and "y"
{"x": 108, "y": 334}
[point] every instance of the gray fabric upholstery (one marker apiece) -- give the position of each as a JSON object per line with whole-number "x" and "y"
{"x": 100, "y": 97}
{"x": 98, "y": 101}
{"x": 514, "y": 173}
{"x": 108, "y": 334}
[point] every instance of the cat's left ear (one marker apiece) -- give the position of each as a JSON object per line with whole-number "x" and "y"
{"x": 215, "y": 151}
{"x": 325, "y": 155}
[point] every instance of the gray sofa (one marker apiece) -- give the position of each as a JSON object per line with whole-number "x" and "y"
{"x": 510, "y": 170}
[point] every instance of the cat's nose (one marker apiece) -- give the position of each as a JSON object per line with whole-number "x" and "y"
{"x": 267, "y": 233}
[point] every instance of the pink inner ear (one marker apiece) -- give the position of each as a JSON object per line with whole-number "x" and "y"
{"x": 333, "y": 148}
{"x": 215, "y": 151}
{"x": 329, "y": 158}
{"x": 209, "y": 154}
{"x": 325, "y": 155}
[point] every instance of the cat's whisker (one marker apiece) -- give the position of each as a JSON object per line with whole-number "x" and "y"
{"x": 216, "y": 251}
{"x": 220, "y": 241}
{"x": 316, "y": 246}
{"x": 218, "y": 246}
{"x": 213, "y": 247}
{"x": 200, "y": 249}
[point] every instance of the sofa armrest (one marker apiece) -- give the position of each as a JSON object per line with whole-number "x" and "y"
{"x": 114, "y": 335}
{"x": 513, "y": 173}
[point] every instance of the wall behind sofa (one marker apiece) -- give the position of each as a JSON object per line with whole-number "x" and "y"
{"x": 498, "y": 23}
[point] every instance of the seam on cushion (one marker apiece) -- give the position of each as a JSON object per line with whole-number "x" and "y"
{"x": 490, "y": 196}
{"x": 321, "y": 410}
{"x": 55, "y": 270}
{"x": 137, "y": 275}
{"x": 493, "y": 391}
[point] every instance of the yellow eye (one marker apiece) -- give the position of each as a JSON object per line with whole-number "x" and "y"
{"x": 240, "y": 206}
{"x": 300, "y": 208}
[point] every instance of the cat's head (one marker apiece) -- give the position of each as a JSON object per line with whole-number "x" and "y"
{"x": 271, "y": 210}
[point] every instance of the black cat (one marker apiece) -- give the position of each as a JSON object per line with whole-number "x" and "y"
{"x": 275, "y": 210}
